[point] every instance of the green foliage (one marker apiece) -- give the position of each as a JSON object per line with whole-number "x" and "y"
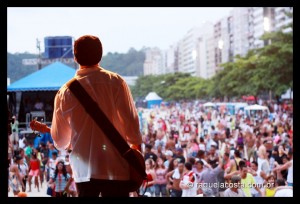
{"x": 15, "y": 69}
{"x": 128, "y": 64}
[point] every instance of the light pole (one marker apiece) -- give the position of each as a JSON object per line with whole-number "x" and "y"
{"x": 38, "y": 46}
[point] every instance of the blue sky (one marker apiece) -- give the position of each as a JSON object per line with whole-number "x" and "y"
{"x": 119, "y": 28}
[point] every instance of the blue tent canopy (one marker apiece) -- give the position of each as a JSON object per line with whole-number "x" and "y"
{"x": 49, "y": 78}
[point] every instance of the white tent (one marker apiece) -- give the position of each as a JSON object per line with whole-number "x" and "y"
{"x": 287, "y": 95}
{"x": 153, "y": 100}
{"x": 209, "y": 104}
{"x": 152, "y": 96}
{"x": 256, "y": 107}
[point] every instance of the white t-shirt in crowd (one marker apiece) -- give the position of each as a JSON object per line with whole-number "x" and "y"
{"x": 21, "y": 143}
{"x": 284, "y": 193}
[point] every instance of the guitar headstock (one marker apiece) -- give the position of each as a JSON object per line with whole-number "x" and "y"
{"x": 38, "y": 126}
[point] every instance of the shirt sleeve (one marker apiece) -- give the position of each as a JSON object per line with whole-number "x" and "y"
{"x": 127, "y": 115}
{"x": 60, "y": 129}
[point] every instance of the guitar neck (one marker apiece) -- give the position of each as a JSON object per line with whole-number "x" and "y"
{"x": 37, "y": 126}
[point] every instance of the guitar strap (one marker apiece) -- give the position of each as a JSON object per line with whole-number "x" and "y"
{"x": 92, "y": 108}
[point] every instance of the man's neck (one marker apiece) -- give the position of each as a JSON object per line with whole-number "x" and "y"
{"x": 89, "y": 66}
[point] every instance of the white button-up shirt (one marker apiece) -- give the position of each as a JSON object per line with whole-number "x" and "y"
{"x": 93, "y": 155}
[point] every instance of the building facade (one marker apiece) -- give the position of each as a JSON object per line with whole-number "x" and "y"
{"x": 202, "y": 50}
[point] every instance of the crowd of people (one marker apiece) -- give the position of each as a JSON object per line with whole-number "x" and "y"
{"x": 38, "y": 164}
{"x": 213, "y": 153}
{"x": 189, "y": 151}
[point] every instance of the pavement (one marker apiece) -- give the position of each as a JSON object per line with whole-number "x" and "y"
{"x": 34, "y": 192}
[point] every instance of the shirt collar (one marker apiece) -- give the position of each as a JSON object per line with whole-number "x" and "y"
{"x": 85, "y": 71}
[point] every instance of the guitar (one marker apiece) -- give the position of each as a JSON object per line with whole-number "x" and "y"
{"x": 43, "y": 128}
{"x": 137, "y": 165}
{"x": 38, "y": 126}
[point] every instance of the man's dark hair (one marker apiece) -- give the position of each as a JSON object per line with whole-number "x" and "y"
{"x": 200, "y": 162}
{"x": 242, "y": 164}
{"x": 188, "y": 166}
{"x": 254, "y": 162}
{"x": 192, "y": 160}
{"x": 201, "y": 139}
{"x": 237, "y": 153}
{"x": 280, "y": 182}
{"x": 227, "y": 154}
{"x": 200, "y": 153}
{"x": 88, "y": 50}
{"x": 149, "y": 146}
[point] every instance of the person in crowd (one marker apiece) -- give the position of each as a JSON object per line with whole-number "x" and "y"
{"x": 234, "y": 163}
{"x": 250, "y": 146}
{"x": 24, "y": 170}
{"x": 61, "y": 179}
{"x": 151, "y": 178}
{"x": 51, "y": 149}
{"x": 179, "y": 155}
{"x": 45, "y": 157}
{"x": 38, "y": 105}
{"x": 175, "y": 177}
{"x": 149, "y": 154}
{"x": 28, "y": 152}
{"x": 202, "y": 144}
{"x": 10, "y": 151}
{"x": 289, "y": 166}
{"x": 160, "y": 181}
{"x": 210, "y": 178}
{"x": 169, "y": 157}
{"x": 193, "y": 148}
{"x": 22, "y": 141}
{"x": 234, "y": 190}
{"x": 14, "y": 137}
{"x": 15, "y": 178}
{"x": 40, "y": 158}
{"x": 34, "y": 171}
{"x": 188, "y": 184}
{"x": 72, "y": 127}
{"x": 213, "y": 156}
{"x": 198, "y": 170}
{"x": 282, "y": 190}
{"x": 160, "y": 152}
{"x": 257, "y": 177}
{"x": 72, "y": 192}
{"x": 269, "y": 187}
{"x": 247, "y": 180}
{"x": 171, "y": 143}
{"x": 173, "y": 165}
{"x": 52, "y": 165}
